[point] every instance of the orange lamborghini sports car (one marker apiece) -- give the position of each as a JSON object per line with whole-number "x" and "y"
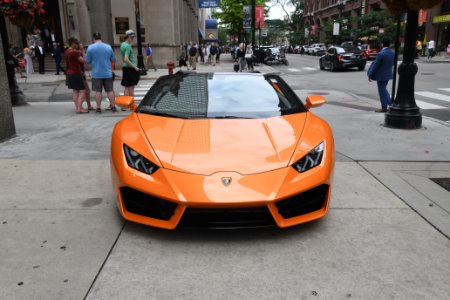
{"x": 222, "y": 150}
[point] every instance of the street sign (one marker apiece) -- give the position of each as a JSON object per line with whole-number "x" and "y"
{"x": 208, "y": 3}
{"x": 441, "y": 19}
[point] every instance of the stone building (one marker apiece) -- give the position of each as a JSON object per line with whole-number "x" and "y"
{"x": 319, "y": 12}
{"x": 165, "y": 24}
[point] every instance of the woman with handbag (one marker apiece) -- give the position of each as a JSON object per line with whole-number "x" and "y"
{"x": 241, "y": 57}
{"x": 27, "y": 55}
{"x": 249, "y": 57}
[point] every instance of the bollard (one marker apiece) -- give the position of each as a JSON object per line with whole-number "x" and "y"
{"x": 170, "y": 66}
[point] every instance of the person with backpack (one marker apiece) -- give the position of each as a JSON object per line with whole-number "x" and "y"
{"x": 193, "y": 56}
{"x": 213, "y": 51}
{"x": 149, "y": 58}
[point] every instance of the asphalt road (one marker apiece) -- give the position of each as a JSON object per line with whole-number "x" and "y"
{"x": 432, "y": 87}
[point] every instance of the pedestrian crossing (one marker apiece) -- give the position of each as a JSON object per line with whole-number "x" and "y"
{"x": 295, "y": 70}
{"x": 140, "y": 91}
{"x": 441, "y": 100}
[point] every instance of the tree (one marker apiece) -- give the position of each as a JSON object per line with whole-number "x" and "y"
{"x": 230, "y": 14}
{"x": 284, "y": 4}
{"x": 275, "y": 31}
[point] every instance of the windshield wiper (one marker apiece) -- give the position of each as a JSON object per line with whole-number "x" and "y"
{"x": 231, "y": 117}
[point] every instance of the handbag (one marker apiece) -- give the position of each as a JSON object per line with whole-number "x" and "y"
{"x": 22, "y": 63}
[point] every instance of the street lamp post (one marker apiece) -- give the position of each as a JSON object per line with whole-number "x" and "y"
{"x": 140, "y": 58}
{"x": 404, "y": 113}
{"x": 253, "y": 23}
{"x": 341, "y": 6}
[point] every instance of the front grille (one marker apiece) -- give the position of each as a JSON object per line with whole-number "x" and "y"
{"x": 146, "y": 205}
{"x": 230, "y": 218}
{"x": 303, "y": 203}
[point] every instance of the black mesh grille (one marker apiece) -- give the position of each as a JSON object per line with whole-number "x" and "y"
{"x": 232, "y": 218}
{"x": 146, "y": 205}
{"x": 304, "y": 203}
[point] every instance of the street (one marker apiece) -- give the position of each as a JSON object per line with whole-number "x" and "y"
{"x": 432, "y": 85}
{"x": 386, "y": 235}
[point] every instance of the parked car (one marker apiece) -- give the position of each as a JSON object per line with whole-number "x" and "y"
{"x": 306, "y": 48}
{"x": 317, "y": 49}
{"x": 370, "y": 50}
{"x": 342, "y": 58}
{"x": 203, "y": 157}
{"x": 352, "y": 43}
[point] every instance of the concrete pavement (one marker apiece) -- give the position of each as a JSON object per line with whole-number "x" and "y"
{"x": 386, "y": 235}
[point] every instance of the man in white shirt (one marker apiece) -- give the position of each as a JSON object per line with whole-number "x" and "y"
{"x": 430, "y": 49}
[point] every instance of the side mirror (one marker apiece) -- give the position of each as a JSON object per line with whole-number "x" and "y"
{"x": 126, "y": 102}
{"x": 314, "y": 101}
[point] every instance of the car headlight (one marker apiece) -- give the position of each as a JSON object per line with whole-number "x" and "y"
{"x": 310, "y": 160}
{"x": 139, "y": 162}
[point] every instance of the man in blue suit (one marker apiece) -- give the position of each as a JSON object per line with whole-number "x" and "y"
{"x": 381, "y": 72}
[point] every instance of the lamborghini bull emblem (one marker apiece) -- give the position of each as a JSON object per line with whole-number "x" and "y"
{"x": 226, "y": 181}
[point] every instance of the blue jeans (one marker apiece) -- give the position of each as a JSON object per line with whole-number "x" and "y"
{"x": 385, "y": 98}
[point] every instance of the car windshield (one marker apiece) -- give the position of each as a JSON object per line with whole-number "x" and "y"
{"x": 275, "y": 50}
{"x": 347, "y": 49}
{"x": 247, "y": 96}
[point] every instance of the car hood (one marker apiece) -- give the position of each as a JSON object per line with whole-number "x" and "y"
{"x": 206, "y": 146}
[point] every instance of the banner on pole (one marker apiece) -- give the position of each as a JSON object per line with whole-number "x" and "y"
{"x": 259, "y": 16}
{"x": 336, "y": 28}
{"x": 423, "y": 14}
{"x": 247, "y": 16}
{"x": 363, "y": 7}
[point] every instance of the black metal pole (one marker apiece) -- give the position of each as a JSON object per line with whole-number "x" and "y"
{"x": 404, "y": 113}
{"x": 17, "y": 96}
{"x": 397, "y": 45}
{"x": 140, "y": 58}
{"x": 253, "y": 23}
{"x": 259, "y": 36}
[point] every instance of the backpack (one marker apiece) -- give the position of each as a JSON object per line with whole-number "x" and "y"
{"x": 192, "y": 51}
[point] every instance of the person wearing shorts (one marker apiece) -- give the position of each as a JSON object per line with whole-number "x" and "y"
{"x": 101, "y": 56}
{"x": 130, "y": 75}
{"x": 75, "y": 80}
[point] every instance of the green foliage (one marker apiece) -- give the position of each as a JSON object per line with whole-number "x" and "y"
{"x": 275, "y": 30}
{"x": 230, "y": 14}
{"x": 365, "y": 27}
{"x": 223, "y": 36}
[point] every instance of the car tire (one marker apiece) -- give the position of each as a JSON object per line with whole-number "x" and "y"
{"x": 333, "y": 68}
{"x": 321, "y": 65}
{"x": 361, "y": 68}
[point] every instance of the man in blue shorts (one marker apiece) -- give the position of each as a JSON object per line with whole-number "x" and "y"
{"x": 101, "y": 56}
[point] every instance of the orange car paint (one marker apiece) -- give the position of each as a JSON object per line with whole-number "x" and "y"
{"x": 256, "y": 154}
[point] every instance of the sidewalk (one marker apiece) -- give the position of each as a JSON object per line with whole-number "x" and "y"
{"x": 225, "y": 65}
{"x": 386, "y": 235}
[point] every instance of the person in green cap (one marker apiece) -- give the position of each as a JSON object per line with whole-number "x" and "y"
{"x": 130, "y": 76}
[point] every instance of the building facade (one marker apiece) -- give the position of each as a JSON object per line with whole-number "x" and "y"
{"x": 165, "y": 24}
{"x": 438, "y": 25}
{"x": 319, "y": 12}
